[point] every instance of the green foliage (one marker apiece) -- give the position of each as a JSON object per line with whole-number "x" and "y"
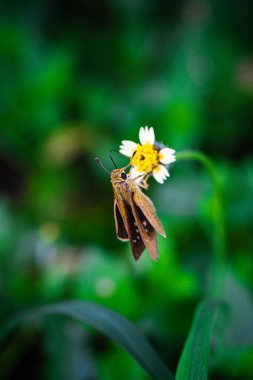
{"x": 112, "y": 324}
{"x": 76, "y": 80}
{"x": 195, "y": 357}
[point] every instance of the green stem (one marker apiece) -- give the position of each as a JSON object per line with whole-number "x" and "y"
{"x": 218, "y": 236}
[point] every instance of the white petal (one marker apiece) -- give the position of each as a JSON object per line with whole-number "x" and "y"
{"x": 167, "y": 156}
{"x": 142, "y": 135}
{"x": 151, "y": 136}
{"x": 127, "y": 148}
{"x": 136, "y": 174}
{"x": 129, "y": 143}
{"x": 125, "y": 153}
{"x": 147, "y": 136}
{"x": 160, "y": 173}
{"x": 167, "y": 150}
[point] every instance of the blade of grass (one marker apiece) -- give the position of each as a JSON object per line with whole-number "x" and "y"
{"x": 193, "y": 364}
{"x": 116, "y": 327}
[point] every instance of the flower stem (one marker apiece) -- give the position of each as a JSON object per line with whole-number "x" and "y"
{"x": 218, "y": 236}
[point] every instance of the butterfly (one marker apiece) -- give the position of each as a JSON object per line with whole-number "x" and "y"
{"x": 135, "y": 215}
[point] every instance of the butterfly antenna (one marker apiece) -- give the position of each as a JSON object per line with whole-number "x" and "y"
{"x": 110, "y": 154}
{"x": 115, "y": 150}
{"x": 102, "y": 166}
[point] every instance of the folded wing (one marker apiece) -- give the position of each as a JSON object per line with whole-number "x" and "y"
{"x": 148, "y": 209}
{"x": 127, "y": 228}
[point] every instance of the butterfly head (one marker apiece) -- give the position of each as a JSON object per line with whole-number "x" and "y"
{"x": 118, "y": 175}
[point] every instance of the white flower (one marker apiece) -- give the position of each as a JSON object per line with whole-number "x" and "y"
{"x": 147, "y": 136}
{"x": 147, "y": 157}
{"x": 128, "y": 148}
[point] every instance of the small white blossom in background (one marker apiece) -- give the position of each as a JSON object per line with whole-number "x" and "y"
{"x": 148, "y": 157}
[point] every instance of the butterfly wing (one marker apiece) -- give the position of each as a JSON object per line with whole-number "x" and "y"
{"x": 148, "y": 209}
{"x": 119, "y": 224}
{"x": 126, "y": 227}
{"x": 146, "y": 230}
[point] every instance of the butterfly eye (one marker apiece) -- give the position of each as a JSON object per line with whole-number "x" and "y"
{"x": 123, "y": 175}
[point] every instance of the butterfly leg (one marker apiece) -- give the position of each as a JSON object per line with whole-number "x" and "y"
{"x": 144, "y": 184}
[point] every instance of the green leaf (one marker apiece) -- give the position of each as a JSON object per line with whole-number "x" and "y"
{"x": 193, "y": 364}
{"x": 231, "y": 290}
{"x": 116, "y": 327}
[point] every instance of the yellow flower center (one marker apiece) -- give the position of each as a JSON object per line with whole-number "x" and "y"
{"x": 146, "y": 158}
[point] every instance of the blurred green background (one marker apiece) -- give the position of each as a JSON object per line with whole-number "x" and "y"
{"x": 76, "y": 79}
